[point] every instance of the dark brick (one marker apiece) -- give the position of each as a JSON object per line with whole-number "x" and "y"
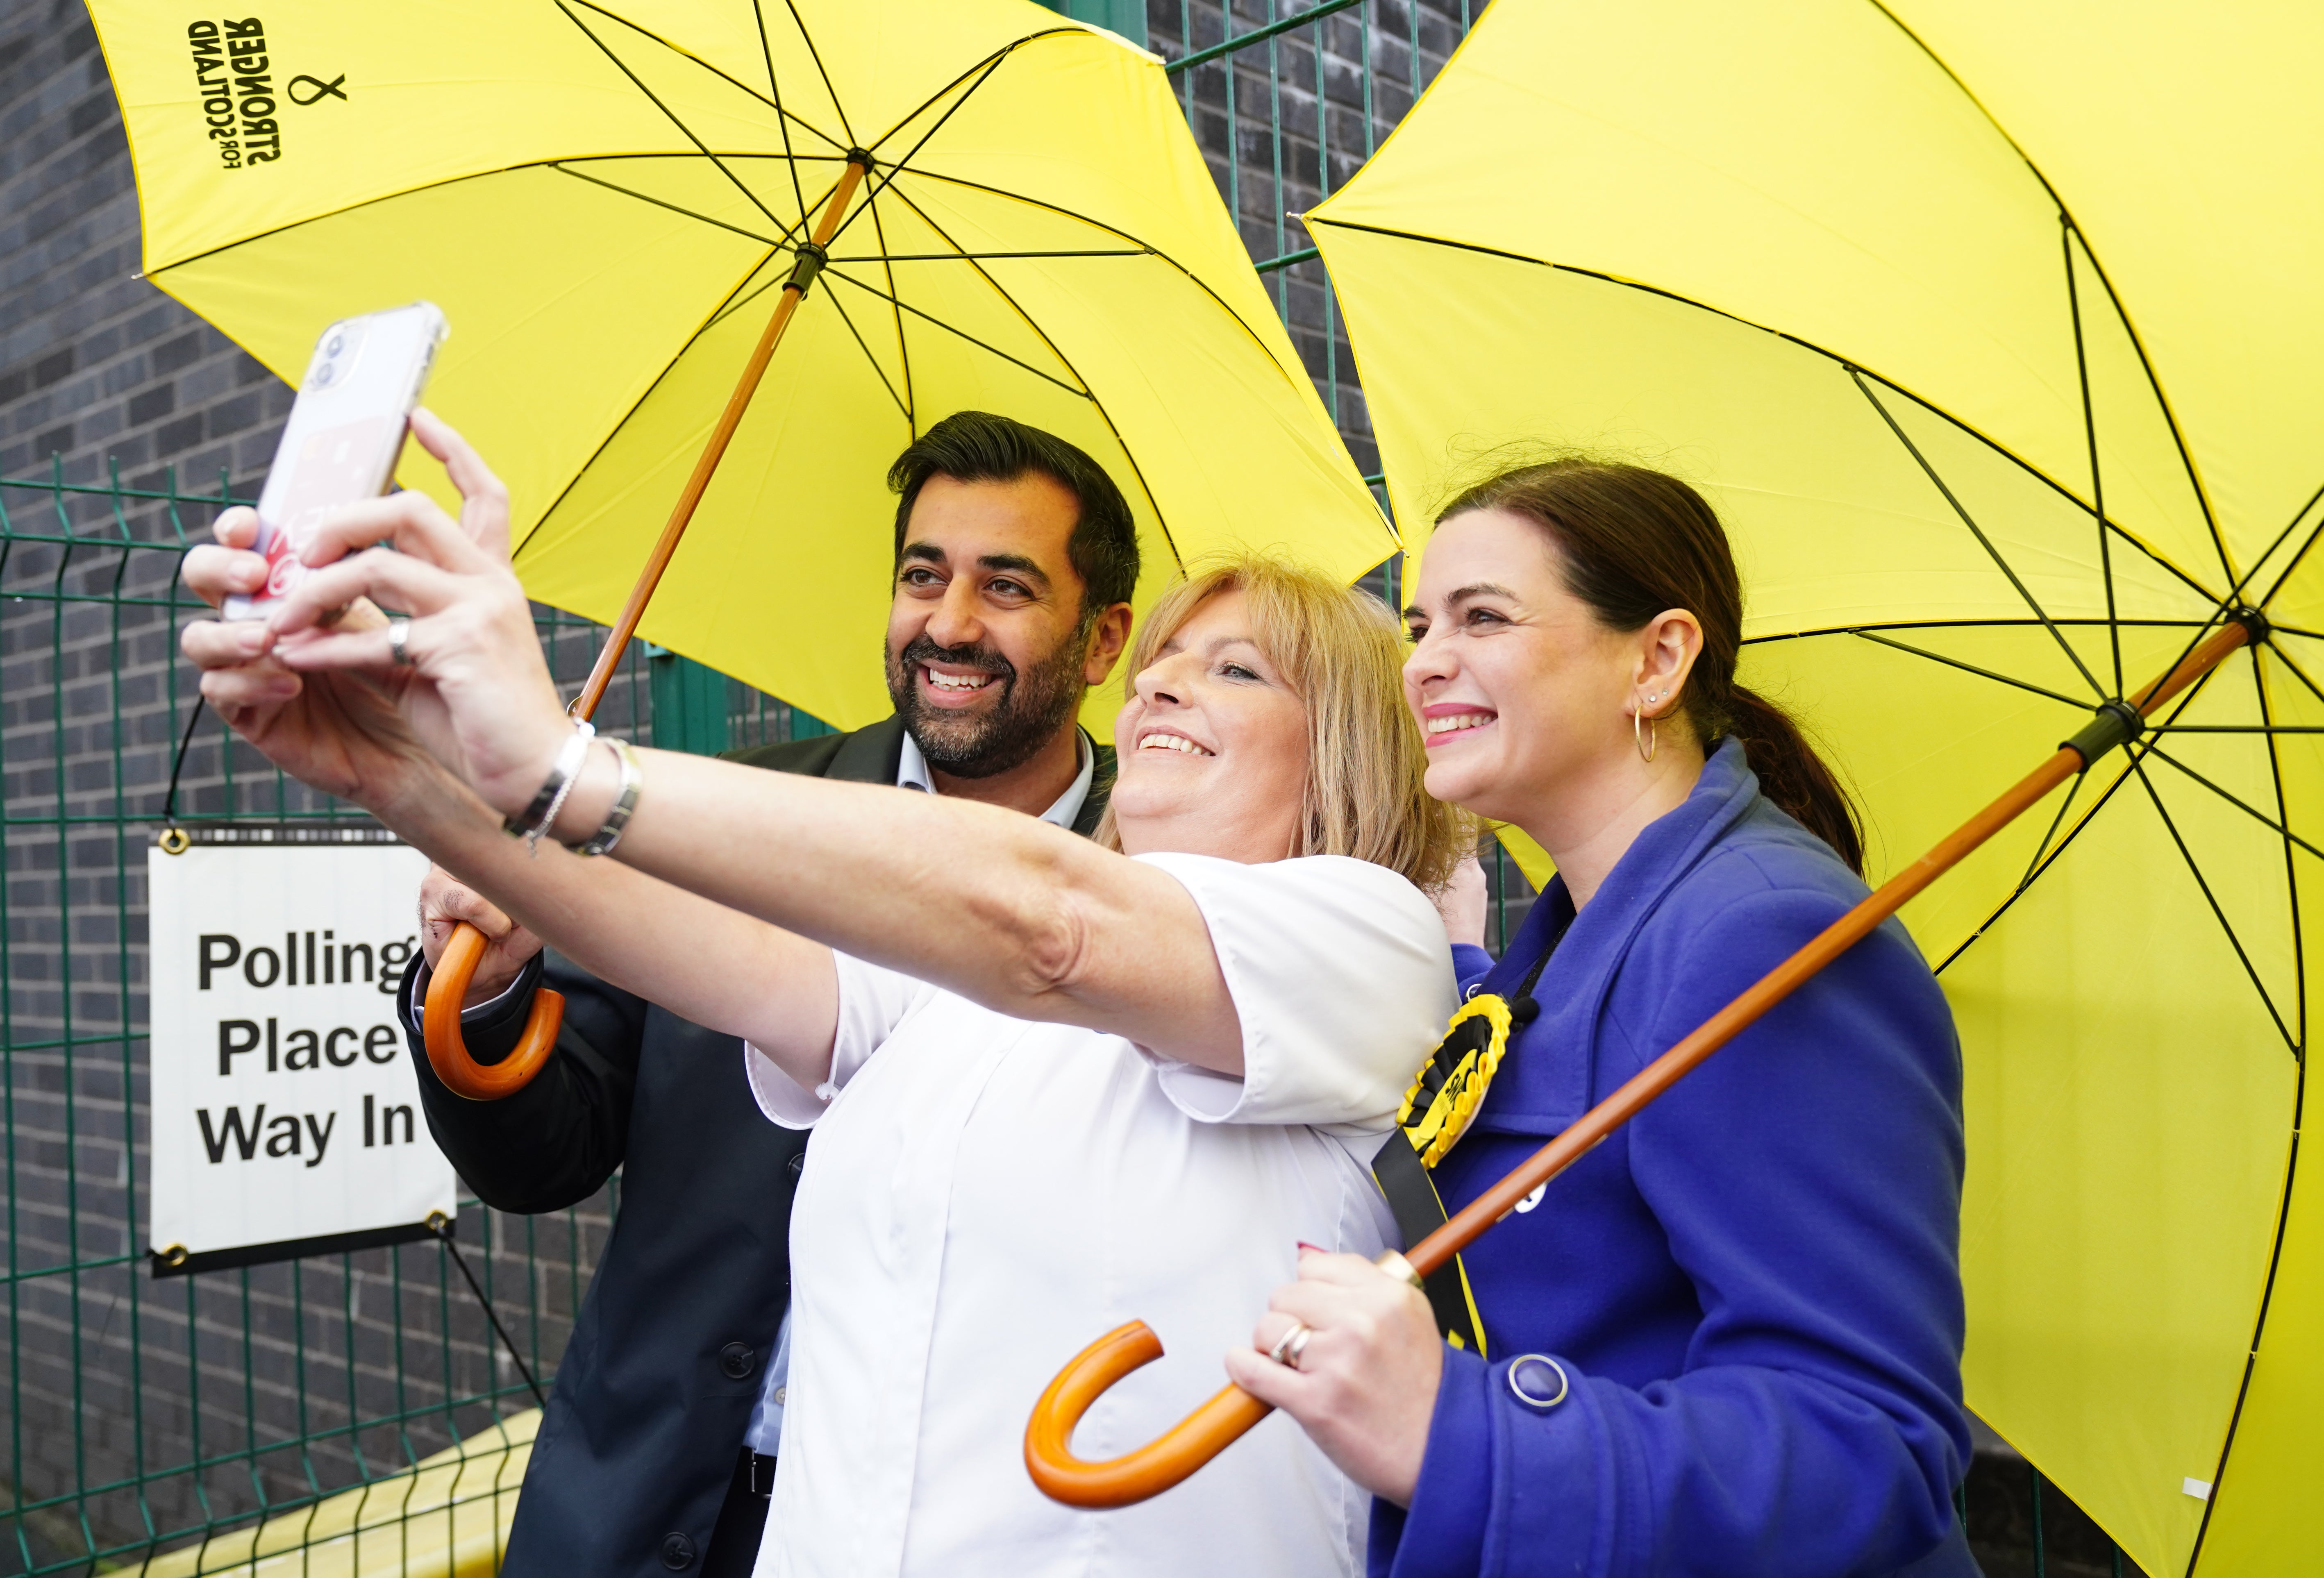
{"x": 90, "y": 113}
{"x": 232, "y": 416}
{"x": 182, "y": 434}
{"x": 174, "y": 353}
{"x": 55, "y": 441}
{"x": 155, "y": 403}
{"x": 52, "y": 368}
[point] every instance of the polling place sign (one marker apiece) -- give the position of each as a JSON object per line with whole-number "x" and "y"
{"x": 286, "y": 1117}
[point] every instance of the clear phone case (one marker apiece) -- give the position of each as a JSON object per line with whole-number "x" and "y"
{"x": 345, "y": 432}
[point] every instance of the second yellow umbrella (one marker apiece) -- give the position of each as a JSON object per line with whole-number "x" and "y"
{"x": 1991, "y": 330}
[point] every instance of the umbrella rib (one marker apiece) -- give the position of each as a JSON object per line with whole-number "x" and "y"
{"x": 2203, "y": 626}
{"x": 2318, "y": 528}
{"x": 905, "y": 306}
{"x": 1983, "y": 541}
{"x": 683, "y": 53}
{"x": 897, "y": 257}
{"x": 2033, "y": 866}
{"x": 1147, "y": 248}
{"x": 881, "y": 372}
{"x": 1970, "y": 668}
{"x": 2291, "y": 864}
{"x": 2066, "y": 234}
{"x": 782, "y": 116}
{"x": 2138, "y": 766}
{"x": 896, "y": 313}
{"x": 2262, "y": 817}
{"x": 766, "y": 241}
{"x": 896, "y": 167}
{"x": 815, "y": 55}
{"x": 2177, "y": 706}
{"x": 621, "y": 65}
{"x": 2289, "y": 662}
{"x": 2146, "y": 364}
{"x": 2018, "y": 892}
{"x": 1129, "y": 456}
{"x": 2035, "y": 471}
{"x": 716, "y": 316}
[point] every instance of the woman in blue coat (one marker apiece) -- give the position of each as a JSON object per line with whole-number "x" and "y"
{"x": 1727, "y": 1341}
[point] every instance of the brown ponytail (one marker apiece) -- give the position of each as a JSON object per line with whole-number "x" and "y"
{"x": 1633, "y": 543}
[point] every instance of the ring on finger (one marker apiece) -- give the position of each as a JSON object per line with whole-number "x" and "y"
{"x": 1291, "y": 1345}
{"x": 398, "y": 639}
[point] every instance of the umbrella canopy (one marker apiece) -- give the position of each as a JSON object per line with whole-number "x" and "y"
{"x": 1991, "y": 330}
{"x": 605, "y": 200}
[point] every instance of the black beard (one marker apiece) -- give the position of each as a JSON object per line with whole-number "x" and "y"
{"x": 1033, "y": 706}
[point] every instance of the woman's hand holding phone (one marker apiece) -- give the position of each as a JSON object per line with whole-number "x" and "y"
{"x": 316, "y": 686}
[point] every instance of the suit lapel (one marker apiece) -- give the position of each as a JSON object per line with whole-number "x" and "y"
{"x": 872, "y": 754}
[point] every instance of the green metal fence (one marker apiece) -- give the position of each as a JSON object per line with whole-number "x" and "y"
{"x": 146, "y": 1417}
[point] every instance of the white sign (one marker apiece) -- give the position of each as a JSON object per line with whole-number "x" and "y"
{"x": 286, "y": 1117}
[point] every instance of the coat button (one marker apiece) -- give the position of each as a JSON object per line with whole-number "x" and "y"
{"x": 796, "y": 1163}
{"x": 678, "y": 1552}
{"x": 738, "y": 1360}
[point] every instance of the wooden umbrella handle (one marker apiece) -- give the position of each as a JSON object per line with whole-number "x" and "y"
{"x": 1152, "y": 1468}
{"x": 447, "y": 1054}
{"x": 439, "y": 1027}
{"x": 1198, "y": 1438}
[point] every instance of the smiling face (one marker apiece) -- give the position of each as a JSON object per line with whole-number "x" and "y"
{"x": 987, "y": 652}
{"x": 1213, "y": 745}
{"x": 1525, "y": 698}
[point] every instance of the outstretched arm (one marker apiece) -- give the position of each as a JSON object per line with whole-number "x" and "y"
{"x": 729, "y": 871}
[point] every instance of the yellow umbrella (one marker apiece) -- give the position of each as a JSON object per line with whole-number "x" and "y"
{"x": 607, "y": 200}
{"x": 625, "y": 211}
{"x": 1919, "y": 294}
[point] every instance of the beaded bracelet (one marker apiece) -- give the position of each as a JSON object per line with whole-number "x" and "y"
{"x": 540, "y": 815}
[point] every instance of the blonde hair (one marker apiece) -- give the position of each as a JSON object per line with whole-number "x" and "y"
{"x": 1340, "y": 651}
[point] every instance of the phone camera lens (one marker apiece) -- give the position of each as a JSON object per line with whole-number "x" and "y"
{"x": 325, "y": 373}
{"x": 335, "y": 345}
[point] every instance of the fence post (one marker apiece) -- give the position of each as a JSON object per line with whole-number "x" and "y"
{"x": 1125, "y": 17}
{"x": 689, "y": 704}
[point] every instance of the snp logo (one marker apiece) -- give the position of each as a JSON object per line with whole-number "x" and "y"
{"x": 234, "y": 76}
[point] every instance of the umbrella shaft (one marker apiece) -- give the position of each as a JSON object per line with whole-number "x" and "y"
{"x": 793, "y": 292}
{"x": 1592, "y": 1127}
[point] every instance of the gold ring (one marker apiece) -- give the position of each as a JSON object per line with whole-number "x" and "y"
{"x": 399, "y": 637}
{"x": 173, "y": 841}
{"x": 1397, "y": 1267}
{"x": 1291, "y": 1344}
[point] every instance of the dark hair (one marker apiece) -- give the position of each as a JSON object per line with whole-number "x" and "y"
{"x": 1633, "y": 543}
{"x": 977, "y": 446}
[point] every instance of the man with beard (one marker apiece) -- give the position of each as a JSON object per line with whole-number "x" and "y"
{"x": 1015, "y": 557}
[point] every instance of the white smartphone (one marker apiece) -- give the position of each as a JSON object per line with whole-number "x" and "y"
{"x": 345, "y": 430}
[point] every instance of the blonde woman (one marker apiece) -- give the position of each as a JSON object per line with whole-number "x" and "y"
{"x": 1055, "y": 1085}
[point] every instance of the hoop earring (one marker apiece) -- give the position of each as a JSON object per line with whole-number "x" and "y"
{"x": 1647, "y": 738}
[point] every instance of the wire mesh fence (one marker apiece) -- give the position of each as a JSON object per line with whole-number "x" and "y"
{"x": 308, "y": 1407}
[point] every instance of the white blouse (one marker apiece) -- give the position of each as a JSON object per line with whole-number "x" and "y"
{"x": 987, "y": 1196}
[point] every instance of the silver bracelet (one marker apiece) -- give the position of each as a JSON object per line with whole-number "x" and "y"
{"x": 541, "y": 815}
{"x": 625, "y": 801}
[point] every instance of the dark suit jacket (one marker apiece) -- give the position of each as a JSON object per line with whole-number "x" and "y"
{"x": 657, "y": 1381}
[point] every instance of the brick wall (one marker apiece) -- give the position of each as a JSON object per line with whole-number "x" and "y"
{"x": 143, "y": 1406}
{"x": 134, "y": 1408}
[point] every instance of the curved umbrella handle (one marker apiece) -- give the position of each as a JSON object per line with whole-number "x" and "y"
{"x": 439, "y": 1027}
{"x": 1152, "y": 1468}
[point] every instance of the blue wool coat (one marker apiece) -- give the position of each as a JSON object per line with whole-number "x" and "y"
{"x": 1755, "y": 1285}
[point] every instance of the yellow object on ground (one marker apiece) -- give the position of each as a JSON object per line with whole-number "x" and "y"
{"x": 1914, "y": 291}
{"x": 446, "y": 1517}
{"x": 605, "y": 199}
